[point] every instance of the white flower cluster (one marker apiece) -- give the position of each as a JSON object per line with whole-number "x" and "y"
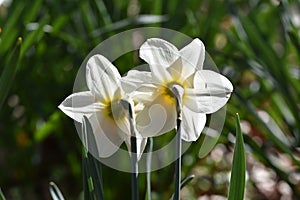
{"x": 150, "y": 95}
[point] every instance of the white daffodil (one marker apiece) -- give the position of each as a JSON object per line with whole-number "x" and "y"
{"x": 104, "y": 106}
{"x": 204, "y": 91}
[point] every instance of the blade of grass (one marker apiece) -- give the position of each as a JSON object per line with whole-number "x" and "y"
{"x": 9, "y": 71}
{"x": 138, "y": 20}
{"x": 32, "y": 10}
{"x": 87, "y": 16}
{"x": 55, "y": 192}
{"x": 34, "y": 36}
{"x": 2, "y": 197}
{"x": 238, "y": 172}
{"x": 9, "y": 30}
{"x": 48, "y": 127}
{"x": 101, "y": 7}
{"x": 185, "y": 181}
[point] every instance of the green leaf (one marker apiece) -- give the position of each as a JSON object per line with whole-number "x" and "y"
{"x": 34, "y": 36}
{"x": 92, "y": 175}
{"x": 9, "y": 71}
{"x": 55, "y": 192}
{"x": 50, "y": 126}
{"x": 185, "y": 181}
{"x": 238, "y": 173}
{"x": 2, "y": 197}
{"x": 10, "y": 30}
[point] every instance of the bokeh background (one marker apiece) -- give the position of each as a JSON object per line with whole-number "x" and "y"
{"x": 255, "y": 43}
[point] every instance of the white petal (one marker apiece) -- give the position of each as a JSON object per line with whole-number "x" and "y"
{"x": 159, "y": 51}
{"x": 159, "y": 54}
{"x": 178, "y": 71}
{"x": 192, "y": 124}
{"x": 134, "y": 79}
{"x": 210, "y": 93}
{"x": 193, "y": 54}
{"x": 107, "y": 135}
{"x": 78, "y": 104}
{"x": 102, "y": 77}
{"x": 158, "y": 117}
{"x": 145, "y": 93}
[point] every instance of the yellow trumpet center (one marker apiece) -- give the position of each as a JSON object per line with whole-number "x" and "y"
{"x": 167, "y": 91}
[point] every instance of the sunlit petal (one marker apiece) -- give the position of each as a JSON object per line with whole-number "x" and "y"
{"x": 210, "y": 93}
{"x": 145, "y": 93}
{"x": 193, "y": 55}
{"x": 103, "y": 78}
{"x": 159, "y": 54}
{"x": 159, "y": 51}
{"x": 107, "y": 135}
{"x": 135, "y": 79}
{"x": 78, "y": 104}
{"x": 176, "y": 70}
{"x": 157, "y": 117}
{"x": 192, "y": 124}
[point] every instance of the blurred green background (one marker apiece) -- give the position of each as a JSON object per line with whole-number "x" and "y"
{"x": 255, "y": 43}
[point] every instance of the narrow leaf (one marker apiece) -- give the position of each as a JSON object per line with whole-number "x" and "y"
{"x": 9, "y": 71}
{"x": 2, "y": 197}
{"x": 48, "y": 127}
{"x": 184, "y": 182}
{"x": 92, "y": 175}
{"x": 55, "y": 192}
{"x": 238, "y": 172}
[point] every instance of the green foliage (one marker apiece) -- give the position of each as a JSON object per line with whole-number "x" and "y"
{"x": 92, "y": 175}
{"x": 2, "y": 197}
{"x": 238, "y": 171}
{"x": 256, "y": 44}
{"x": 9, "y": 72}
{"x": 55, "y": 192}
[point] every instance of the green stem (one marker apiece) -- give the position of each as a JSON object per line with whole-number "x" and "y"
{"x": 178, "y": 161}
{"x": 127, "y": 105}
{"x": 149, "y": 157}
{"x": 178, "y": 94}
{"x": 134, "y": 164}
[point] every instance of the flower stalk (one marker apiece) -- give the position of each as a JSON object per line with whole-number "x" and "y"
{"x": 149, "y": 157}
{"x": 178, "y": 92}
{"x": 133, "y": 140}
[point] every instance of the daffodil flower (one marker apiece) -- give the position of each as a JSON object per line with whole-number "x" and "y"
{"x": 204, "y": 91}
{"x": 104, "y": 106}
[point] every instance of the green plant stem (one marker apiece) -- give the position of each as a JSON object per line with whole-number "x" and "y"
{"x": 134, "y": 164}
{"x": 178, "y": 161}
{"x": 134, "y": 161}
{"x": 149, "y": 158}
{"x": 178, "y": 94}
{"x": 9, "y": 71}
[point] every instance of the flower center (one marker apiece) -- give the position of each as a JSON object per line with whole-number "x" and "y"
{"x": 114, "y": 110}
{"x": 167, "y": 91}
